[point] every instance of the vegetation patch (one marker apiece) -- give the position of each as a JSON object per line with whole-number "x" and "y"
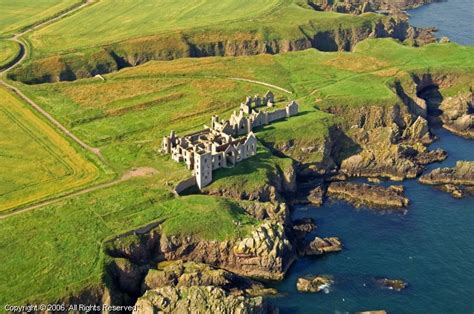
{"x": 18, "y": 14}
{"x": 9, "y": 50}
{"x": 37, "y": 162}
{"x": 58, "y": 250}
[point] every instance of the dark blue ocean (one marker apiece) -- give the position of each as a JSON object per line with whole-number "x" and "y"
{"x": 431, "y": 246}
{"x": 453, "y": 18}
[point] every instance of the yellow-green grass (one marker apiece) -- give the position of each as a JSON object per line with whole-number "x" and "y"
{"x": 56, "y": 251}
{"x": 18, "y": 14}
{"x": 127, "y": 114}
{"x": 36, "y": 161}
{"x": 111, "y": 22}
{"x": 8, "y": 52}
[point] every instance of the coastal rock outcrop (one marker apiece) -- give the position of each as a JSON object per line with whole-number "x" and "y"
{"x": 266, "y": 253}
{"x": 314, "y": 284}
{"x": 198, "y": 299}
{"x": 361, "y": 194}
{"x": 458, "y": 114}
{"x": 187, "y": 274}
{"x": 386, "y": 141}
{"x": 457, "y": 181}
{"x": 320, "y": 246}
{"x": 391, "y": 284}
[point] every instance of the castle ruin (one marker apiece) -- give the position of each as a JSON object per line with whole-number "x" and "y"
{"x": 225, "y": 143}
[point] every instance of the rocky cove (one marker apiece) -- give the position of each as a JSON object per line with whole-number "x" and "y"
{"x": 391, "y": 143}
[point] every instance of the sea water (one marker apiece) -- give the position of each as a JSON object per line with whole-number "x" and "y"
{"x": 452, "y": 18}
{"x": 431, "y": 246}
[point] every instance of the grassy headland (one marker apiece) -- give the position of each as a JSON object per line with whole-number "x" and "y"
{"x": 53, "y": 251}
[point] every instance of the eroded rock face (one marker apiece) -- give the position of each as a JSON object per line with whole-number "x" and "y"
{"x": 261, "y": 211}
{"x": 432, "y": 156}
{"x": 461, "y": 174}
{"x": 391, "y": 144}
{"x": 363, "y": 6}
{"x": 320, "y": 246}
{"x": 360, "y": 194}
{"x": 187, "y": 274}
{"x": 198, "y": 299}
{"x": 314, "y": 284}
{"x": 458, "y": 181}
{"x": 266, "y": 253}
{"x": 457, "y": 114}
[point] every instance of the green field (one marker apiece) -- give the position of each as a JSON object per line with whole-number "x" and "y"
{"x": 109, "y": 21}
{"x": 128, "y": 113}
{"x": 104, "y": 23}
{"x": 57, "y": 250}
{"x": 37, "y": 162}
{"x": 8, "y": 51}
{"x": 17, "y": 14}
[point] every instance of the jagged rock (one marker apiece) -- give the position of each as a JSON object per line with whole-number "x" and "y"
{"x": 455, "y": 191}
{"x": 457, "y": 181}
{"x": 360, "y": 194}
{"x": 391, "y": 284}
{"x": 461, "y": 174}
{"x": 305, "y": 225}
{"x": 418, "y": 131}
{"x": 315, "y": 196}
{"x": 127, "y": 274}
{"x": 187, "y": 274}
{"x": 198, "y": 299}
{"x": 320, "y": 246}
{"x": 266, "y": 210}
{"x": 457, "y": 114}
{"x": 390, "y": 164}
{"x": 444, "y": 40}
{"x": 432, "y": 156}
{"x": 314, "y": 284}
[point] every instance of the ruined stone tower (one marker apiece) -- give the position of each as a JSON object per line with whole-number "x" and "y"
{"x": 203, "y": 168}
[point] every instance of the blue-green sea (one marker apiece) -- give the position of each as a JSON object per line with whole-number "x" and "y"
{"x": 431, "y": 246}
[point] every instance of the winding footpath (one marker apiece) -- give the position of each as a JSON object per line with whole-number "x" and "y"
{"x": 261, "y": 83}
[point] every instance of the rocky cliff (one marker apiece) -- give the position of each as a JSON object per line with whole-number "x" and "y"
{"x": 133, "y": 52}
{"x": 364, "y": 6}
{"x": 198, "y": 299}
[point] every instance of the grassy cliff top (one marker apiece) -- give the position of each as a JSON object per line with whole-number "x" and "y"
{"x": 109, "y": 21}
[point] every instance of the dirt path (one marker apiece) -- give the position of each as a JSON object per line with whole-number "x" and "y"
{"x": 22, "y": 56}
{"x": 134, "y": 173}
{"x": 261, "y": 83}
